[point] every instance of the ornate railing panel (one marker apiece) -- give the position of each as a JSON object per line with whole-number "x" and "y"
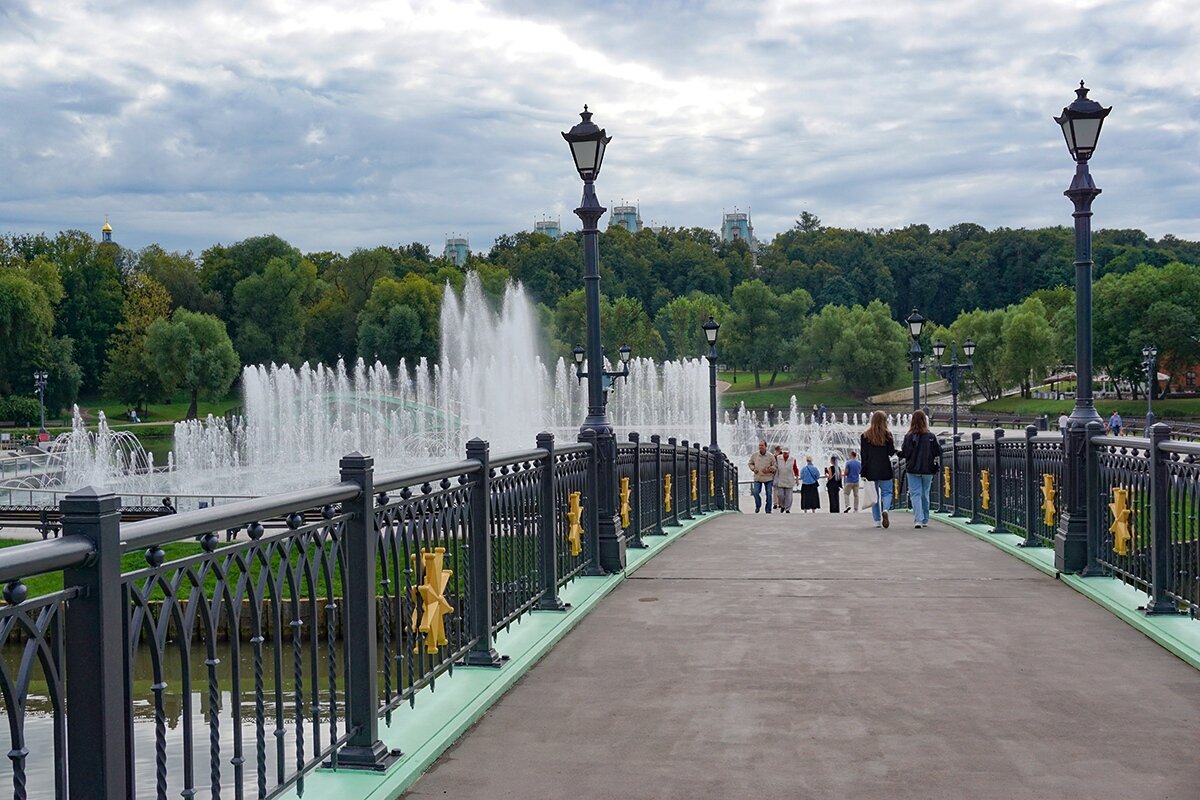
{"x": 571, "y": 518}
{"x": 1182, "y": 466}
{"x": 1124, "y": 524}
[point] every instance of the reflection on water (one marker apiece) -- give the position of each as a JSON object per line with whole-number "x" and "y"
{"x": 277, "y": 732}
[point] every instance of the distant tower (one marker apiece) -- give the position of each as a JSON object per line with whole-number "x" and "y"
{"x": 550, "y": 227}
{"x": 628, "y": 217}
{"x": 106, "y": 231}
{"x": 737, "y": 225}
{"x": 457, "y": 250}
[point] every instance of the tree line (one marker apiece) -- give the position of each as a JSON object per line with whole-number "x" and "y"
{"x": 140, "y": 325}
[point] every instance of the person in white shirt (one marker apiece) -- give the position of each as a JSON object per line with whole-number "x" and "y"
{"x": 1063, "y": 422}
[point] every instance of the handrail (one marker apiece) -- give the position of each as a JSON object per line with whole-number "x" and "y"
{"x": 35, "y": 558}
{"x": 150, "y": 532}
{"x": 571, "y": 449}
{"x": 437, "y": 472}
{"x": 508, "y": 459}
{"x": 1182, "y": 448}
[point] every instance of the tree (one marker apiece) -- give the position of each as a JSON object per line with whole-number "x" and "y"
{"x": 26, "y": 322}
{"x": 192, "y": 351}
{"x": 862, "y": 347}
{"x": 679, "y": 322}
{"x": 409, "y": 308}
{"x": 270, "y": 305}
{"x": 179, "y": 274}
{"x": 625, "y": 322}
{"x": 91, "y": 307}
{"x": 1029, "y": 346}
{"x": 753, "y": 337}
{"x": 131, "y": 376}
{"x": 985, "y": 328}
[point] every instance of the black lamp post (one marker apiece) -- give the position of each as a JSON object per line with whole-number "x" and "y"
{"x": 588, "y": 142}
{"x": 1081, "y": 122}
{"x": 710, "y": 329}
{"x": 1150, "y": 362}
{"x": 954, "y": 370}
{"x": 915, "y": 322}
{"x": 40, "y": 379}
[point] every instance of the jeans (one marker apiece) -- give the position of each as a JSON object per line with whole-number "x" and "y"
{"x": 918, "y": 495}
{"x": 756, "y": 488}
{"x": 883, "y": 490}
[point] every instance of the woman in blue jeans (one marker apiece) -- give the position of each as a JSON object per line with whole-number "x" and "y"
{"x": 920, "y": 452}
{"x": 878, "y": 447}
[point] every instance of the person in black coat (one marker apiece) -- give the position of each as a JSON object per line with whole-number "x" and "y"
{"x": 878, "y": 447}
{"x": 920, "y": 452}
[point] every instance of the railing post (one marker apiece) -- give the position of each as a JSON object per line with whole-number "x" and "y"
{"x": 1160, "y": 523}
{"x": 591, "y": 505}
{"x": 633, "y": 533}
{"x": 481, "y": 654}
{"x": 547, "y": 533}
{"x": 1091, "y": 475}
{"x": 998, "y": 484}
{"x": 974, "y": 482}
{"x": 364, "y": 750}
{"x": 656, "y": 440}
{"x": 674, "y": 444}
{"x": 687, "y": 481}
{"x": 1029, "y": 484}
{"x": 96, "y": 669}
{"x": 954, "y": 476}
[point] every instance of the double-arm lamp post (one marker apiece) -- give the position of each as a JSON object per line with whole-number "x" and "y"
{"x": 1081, "y": 122}
{"x": 954, "y": 370}
{"x": 588, "y": 141}
{"x": 1150, "y": 362}
{"x": 710, "y": 329}
{"x": 915, "y": 323}
{"x": 40, "y": 379}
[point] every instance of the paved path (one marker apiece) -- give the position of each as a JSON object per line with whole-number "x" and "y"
{"x": 813, "y": 656}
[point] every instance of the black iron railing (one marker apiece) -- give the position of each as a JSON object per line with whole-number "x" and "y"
{"x": 1143, "y": 502}
{"x": 238, "y": 647}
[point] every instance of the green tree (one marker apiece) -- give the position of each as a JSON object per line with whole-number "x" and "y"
{"x": 985, "y": 328}
{"x": 409, "y": 308}
{"x": 270, "y": 305}
{"x": 625, "y": 322}
{"x": 192, "y": 351}
{"x": 131, "y": 376}
{"x": 26, "y": 324}
{"x": 91, "y": 306}
{"x": 1029, "y": 346}
{"x": 862, "y": 348}
{"x": 753, "y": 336}
{"x": 179, "y": 274}
{"x": 679, "y": 322}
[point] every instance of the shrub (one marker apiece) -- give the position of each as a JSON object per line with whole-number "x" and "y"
{"x": 24, "y": 411}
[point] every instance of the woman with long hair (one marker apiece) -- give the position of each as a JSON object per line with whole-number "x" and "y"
{"x": 833, "y": 483}
{"x": 920, "y": 451}
{"x": 878, "y": 447}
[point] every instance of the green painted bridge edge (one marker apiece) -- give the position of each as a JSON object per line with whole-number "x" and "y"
{"x": 447, "y": 710}
{"x": 1178, "y": 634}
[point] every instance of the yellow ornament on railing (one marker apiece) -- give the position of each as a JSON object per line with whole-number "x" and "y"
{"x": 667, "y": 493}
{"x": 1120, "y": 526}
{"x": 624, "y": 502}
{"x": 712, "y": 484}
{"x": 731, "y": 495}
{"x": 575, "y": 523}
{"x": 695, "y": 484}
{"x": 1048, "y": 494}
{"x": 434, "y": 606}
{"x": 945, "y": 481}
{"x": 985, "y": 488}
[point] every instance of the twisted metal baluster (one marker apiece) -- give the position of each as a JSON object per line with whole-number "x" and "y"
{"x": 214, "y": 727}
{"x": 260, "y": 711}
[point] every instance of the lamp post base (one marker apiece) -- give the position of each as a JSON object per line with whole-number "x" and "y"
{"x": 612, "y": 545}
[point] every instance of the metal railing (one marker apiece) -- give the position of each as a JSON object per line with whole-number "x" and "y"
{"x": 238, "y": 647}
{"x": 1143, "y": 494}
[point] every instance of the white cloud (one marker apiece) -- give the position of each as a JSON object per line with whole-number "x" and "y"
{"x": 349, "y": 123}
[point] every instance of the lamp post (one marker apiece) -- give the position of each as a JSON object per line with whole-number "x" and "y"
{"x": 588, "y": 142}
{"x": 1150, "y": 362}
{"x": 710, "y": 329}
{"x": 915, "y": 322}
{"x": 1080, "y": 122}
{"x": 40, "y": 379}
{"x": 952, "y": 371}
{"x": 925, "y": 364}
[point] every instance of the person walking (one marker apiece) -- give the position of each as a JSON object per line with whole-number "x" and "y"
{"x": 776, "y": 452}
{"x": 1115, "y": 423}
{"x": 920, "y": 451}
{"x": 762, "y": 468}
{"x": 878, "y": 447}
{"x": 822, "y": 413}
{"x": 810, "y": 495}
{"x": 787, "y": 472}
{"x": 850, "y": 475}
{"x": 1063, "y": 421}
{"x": 833, "y": 483}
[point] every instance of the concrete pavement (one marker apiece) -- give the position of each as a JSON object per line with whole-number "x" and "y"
{"x": 813, "y": 656}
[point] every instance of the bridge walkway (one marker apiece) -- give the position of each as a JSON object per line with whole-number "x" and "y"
{"x": 813, "y": 656}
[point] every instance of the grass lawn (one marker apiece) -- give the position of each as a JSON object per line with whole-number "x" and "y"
{"x": 1182, "y": 408}
{"x": 780, "y": 395}
{"x": 155, "y": 412}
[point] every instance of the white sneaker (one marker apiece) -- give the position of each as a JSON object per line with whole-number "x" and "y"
{"x": 878, "y": 524}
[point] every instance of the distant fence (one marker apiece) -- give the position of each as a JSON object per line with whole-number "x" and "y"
{"x": 300, "y": 620}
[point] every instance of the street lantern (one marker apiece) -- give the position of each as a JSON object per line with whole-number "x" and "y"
{"x": 953, "y": 371}
{"x": 626, "y": 353}
{"x": 588, "y": 142}
{"x": 1150, "y": 362}
{"x": 939, "y": 349}
{"x": 915, "y": 322}
{"x": 1081, "y": 122}
{"x": 710, "y": 329}
{"x": 969, "y": 349}
{"x": 40, "y": 378}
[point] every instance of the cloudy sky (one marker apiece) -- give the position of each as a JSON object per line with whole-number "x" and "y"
{"x": 346, "y": 123}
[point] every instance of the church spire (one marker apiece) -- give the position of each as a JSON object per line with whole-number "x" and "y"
{"x": 106, "y": 231}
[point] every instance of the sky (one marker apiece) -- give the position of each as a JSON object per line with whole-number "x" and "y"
{"x": 339, "y": 124}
